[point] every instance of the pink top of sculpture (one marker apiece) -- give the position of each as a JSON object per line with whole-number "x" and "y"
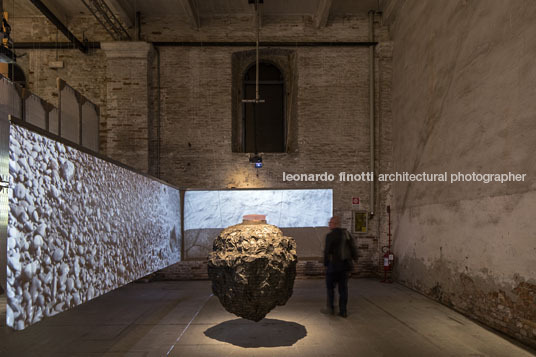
{"x": 254, "y": 217}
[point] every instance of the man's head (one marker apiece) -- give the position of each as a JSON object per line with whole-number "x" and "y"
{"x": 334, "y": 222}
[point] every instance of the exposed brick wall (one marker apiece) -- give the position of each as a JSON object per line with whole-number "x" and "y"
{"x": 332, "y": 114}
{"x": 197, "y": 270}
{"x": 185, "y": 270}
{"x": 512, "y": 312}
{"x": 85, "y": 73}
{"x": 40, "y": 29}
{"x": 241, "y": 28}
{"x": 129, "y": 82}
{"x": 332, "y": 125}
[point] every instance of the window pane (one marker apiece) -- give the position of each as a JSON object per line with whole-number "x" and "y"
{"x": 264, "y": 130}
{"x": 269, "y": 121}
{"x": 267, "y": 72}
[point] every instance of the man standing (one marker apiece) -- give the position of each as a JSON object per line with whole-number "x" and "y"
{"x": 339, "y": 251}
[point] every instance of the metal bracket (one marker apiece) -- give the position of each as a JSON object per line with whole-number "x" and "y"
{"x": 4, "y": 183}
{"x": 107, "y": 19}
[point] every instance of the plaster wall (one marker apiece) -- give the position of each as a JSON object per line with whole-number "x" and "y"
{"x": 463, "y": 97}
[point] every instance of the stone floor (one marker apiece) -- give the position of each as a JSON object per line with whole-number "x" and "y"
{"x": 183, "y": 319}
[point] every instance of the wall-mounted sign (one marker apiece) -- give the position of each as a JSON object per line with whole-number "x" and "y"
{"x": 359, "y": 222}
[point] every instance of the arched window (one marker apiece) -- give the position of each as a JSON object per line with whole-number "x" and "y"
{"x": 264, "y": 128}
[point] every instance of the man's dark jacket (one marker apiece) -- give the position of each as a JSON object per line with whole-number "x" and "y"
{"x": 332, "y": 250}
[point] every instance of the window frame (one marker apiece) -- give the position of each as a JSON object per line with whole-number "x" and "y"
{"x": 286, "y": 60}
{"x": 280, "y": 82}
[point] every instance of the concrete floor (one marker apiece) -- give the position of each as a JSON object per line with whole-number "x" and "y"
{"x": 183, "y": 319}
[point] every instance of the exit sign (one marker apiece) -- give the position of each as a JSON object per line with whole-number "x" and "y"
{"x": 355, "y": 200}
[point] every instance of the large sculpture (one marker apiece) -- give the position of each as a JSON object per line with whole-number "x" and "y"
{"x": 252, "y": 267}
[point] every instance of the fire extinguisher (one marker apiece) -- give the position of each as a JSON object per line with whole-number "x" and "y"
{"x": 388, "y": 260}
{"x": 386, "y": 265}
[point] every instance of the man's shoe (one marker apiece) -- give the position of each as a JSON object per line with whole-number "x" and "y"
{"x": 343, "y": 314}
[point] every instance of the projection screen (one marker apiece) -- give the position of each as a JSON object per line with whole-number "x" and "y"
{"x": 302, "y": 214}
{"x": 79, "y": 226}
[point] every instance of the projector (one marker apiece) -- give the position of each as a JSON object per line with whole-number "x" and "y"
{"x": 257, "y": 160}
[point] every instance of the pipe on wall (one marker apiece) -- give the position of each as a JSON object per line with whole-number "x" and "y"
{"x": 264, "y": 44}
{"x": 371, "y": 109}
{"x": 52, "y": 45}
{"x": 138, "y": 26}
{"x": 158, "y": 114}
{"x": 96, "y": 45}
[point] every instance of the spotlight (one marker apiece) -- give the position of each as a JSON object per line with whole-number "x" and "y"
{"x": 257, "y": 160}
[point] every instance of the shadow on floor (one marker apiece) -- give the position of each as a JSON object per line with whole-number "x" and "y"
{"x": 265, "y": 333}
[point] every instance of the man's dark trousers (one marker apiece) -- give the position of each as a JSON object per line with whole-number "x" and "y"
{"x": 339, "y": 278}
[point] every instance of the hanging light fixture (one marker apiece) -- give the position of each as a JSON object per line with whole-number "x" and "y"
{"x": 256, "y": 159}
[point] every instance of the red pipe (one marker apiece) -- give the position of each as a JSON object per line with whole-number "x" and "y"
{"x": 389, "y": 212}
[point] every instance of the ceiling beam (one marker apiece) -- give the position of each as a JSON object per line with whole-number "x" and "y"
{"x": 57, "y": 10}
{"x": 192, "y": 12}
{"x": 320, "y": 18}
{"x": 60, "y": 26}
{"x": 124, "y": 11}
{"x": 106, "y": 17}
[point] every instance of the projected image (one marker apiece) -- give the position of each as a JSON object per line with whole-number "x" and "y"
{"x": 301, "y": 214}
{"x": 79, "y": 227}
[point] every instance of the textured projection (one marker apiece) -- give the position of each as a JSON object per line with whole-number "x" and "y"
{"x": 301, "y": 214}
{"x": 79, "y": 227}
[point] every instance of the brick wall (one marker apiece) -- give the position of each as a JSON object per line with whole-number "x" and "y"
{"x": 197, "y": 270}
{"x": 332, "y": 108}
{"x": 85, "y": 73}
{"x": 129, "y": 114}
{"x": 332, "y": 125}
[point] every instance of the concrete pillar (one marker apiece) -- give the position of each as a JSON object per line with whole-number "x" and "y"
{"x": 128, "y": 76}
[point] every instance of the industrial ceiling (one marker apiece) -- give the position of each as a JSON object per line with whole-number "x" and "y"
{"x": 184, "y": 9}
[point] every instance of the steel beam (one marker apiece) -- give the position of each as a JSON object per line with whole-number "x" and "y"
{"x": 50, "y": 15}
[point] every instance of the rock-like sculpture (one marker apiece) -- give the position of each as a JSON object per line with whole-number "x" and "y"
{"x": 252, "y": 267}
